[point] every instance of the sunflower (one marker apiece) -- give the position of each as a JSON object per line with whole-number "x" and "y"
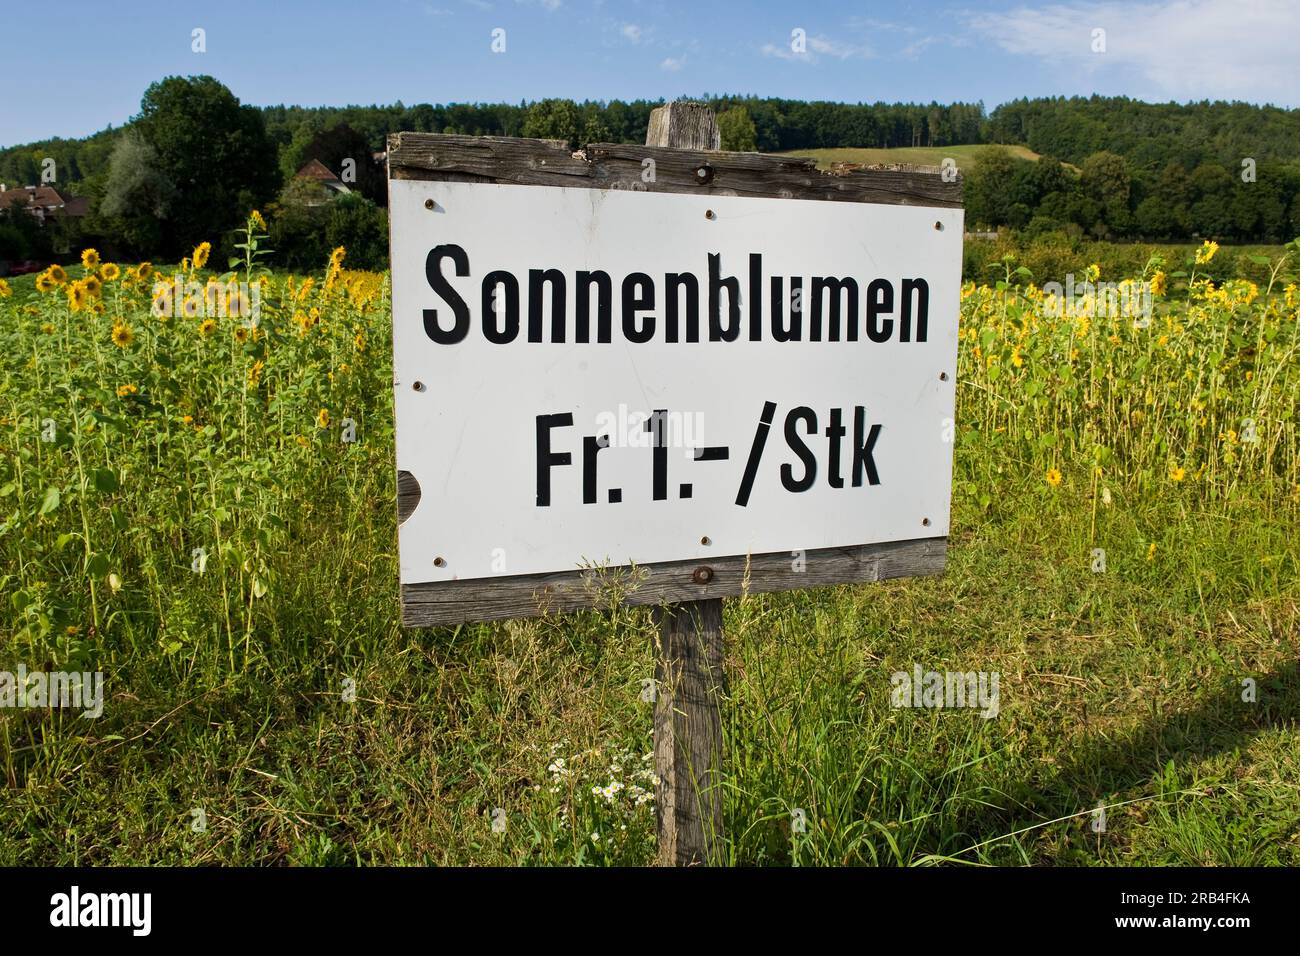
{"x": 255, "y": 219}
{"x": 1053, "y": 477}
{"x": 77, "y": 297}
{"x": 255, "y": 373}
{"x": 241, "y": 334}
{"x": 124, "y": 390}
{"x": 323, "y": 418}
{"x": 1177, "y": 474}
{"x": 44, "y": 283}
{"x": 5, "y": 291}
{"x": 122, "y": 335}
{"x": 201, "y": 253}
{"x": 57, "y": 274}
{"x": 90, "y": 258}
{"x": 109, "y": 272}
{"x": 207, "y": 327}
{"x": 1159, "y": 283}
{"x": 143, "y": 271}
{"x": 92, "y": 285}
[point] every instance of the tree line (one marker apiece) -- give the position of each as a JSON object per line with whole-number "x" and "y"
{"x": 191, "y": 164}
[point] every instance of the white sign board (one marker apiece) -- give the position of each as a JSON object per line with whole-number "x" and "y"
{"x": 601, "y": 377}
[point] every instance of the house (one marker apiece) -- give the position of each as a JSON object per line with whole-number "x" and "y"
{"x": 45, "y": 202}
{"x": 318, "y": 172}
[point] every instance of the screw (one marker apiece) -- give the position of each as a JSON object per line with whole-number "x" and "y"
{"x": 702, "y": 575}
{"x": 710, "y": 214}
{"x": 429, "y": 204}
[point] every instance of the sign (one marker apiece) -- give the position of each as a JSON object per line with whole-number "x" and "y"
{"x": 592, "y": 377}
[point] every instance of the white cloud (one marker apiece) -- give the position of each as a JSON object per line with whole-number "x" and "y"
{"x": 632, "y": 32}
{"x": 1182, "y": 49}
{"x": 672, "y": 64}
{"x": 817, "y": 46}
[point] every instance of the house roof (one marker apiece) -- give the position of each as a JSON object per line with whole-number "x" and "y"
{"x": 45, "y": 198}
{"x": 318, "y": 171}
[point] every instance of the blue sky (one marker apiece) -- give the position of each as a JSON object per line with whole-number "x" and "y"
{"x": 87, "y": 68}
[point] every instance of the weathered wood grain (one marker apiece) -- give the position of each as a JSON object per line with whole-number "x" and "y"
{"x": 683, "y": 125}
{"x": 690, "y": 683}
{"x": 535, "y": 162}
{"x": 535, "y": 595}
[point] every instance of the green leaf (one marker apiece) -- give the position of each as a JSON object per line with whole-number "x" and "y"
{"x": 97, "y": 564}
{"x": 52, "y": 499}
{"x": 106, "y": 480}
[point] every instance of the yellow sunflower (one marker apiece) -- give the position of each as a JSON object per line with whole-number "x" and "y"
{"x": 207, "y": 327}
{"x": 1053, "y": 477}
{"x": 122, "y": 335}
{"x": 109, "y": 272}
{"x": 201, "y": 253}
{"x": 77, "y": 296}
{"x": 90, "y": 258}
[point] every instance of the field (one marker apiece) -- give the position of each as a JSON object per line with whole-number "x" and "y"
{"x": 966, "y": 157}
{"x": 181, "y": 508}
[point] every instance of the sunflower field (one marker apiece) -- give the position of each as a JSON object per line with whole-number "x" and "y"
{"x": 197, "y": 498}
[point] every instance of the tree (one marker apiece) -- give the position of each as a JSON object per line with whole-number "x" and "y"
{"x": 1105, "y": 179}
{"x": 213, "y": 150}
{"x": 738, "y": 130}
{"x": 553, "y": 119}
{"x": 137, "y": 195}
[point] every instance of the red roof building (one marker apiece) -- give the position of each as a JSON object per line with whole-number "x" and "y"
{"x": 45, "y": 202}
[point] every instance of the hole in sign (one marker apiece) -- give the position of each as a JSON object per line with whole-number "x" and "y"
{"x": 710, "y": 214}
{"x": 439, "y": 562}
{"x": 418, "y": 386}
{"x": 704, "y": 174}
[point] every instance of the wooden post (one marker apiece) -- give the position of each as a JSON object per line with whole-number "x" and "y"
{"x": 689, "y": 678}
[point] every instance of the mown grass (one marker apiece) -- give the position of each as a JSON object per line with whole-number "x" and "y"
{"x": 1119, "y": 689}
{"x": 967, "y": 157}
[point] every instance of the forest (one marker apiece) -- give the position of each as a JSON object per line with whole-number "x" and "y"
{"x": 1108, "y": 168}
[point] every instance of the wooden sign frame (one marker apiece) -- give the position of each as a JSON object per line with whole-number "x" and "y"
{"x": 533, "y": 162}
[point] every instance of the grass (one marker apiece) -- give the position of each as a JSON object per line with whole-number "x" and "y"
{"x": 304, "y": 726}
{"x": 967, "y": 156}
